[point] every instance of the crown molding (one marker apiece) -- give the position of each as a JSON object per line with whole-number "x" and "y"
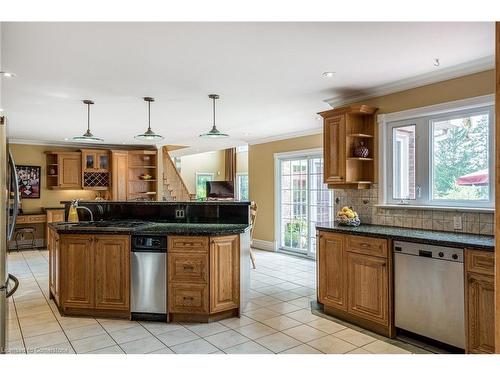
{"x": 439, "y": 75}
{"x": 21, "y": 141}
{"x": 282, "y": 137}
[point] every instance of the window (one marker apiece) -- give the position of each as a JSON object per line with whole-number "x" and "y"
{"x": 201, "y": 184}
{"x": 242, "y": 186}
{"x": 441, "y": 160}
{"x": 303, "y": 200}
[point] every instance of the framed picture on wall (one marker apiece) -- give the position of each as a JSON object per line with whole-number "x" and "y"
{"x": 28, "y": 177}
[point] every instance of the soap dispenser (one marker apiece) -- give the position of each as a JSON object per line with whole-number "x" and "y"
{"x": 73, "y": 212}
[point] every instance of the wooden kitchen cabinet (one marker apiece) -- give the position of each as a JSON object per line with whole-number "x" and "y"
{"x": 93, "y": 274}
{"x": 112, "y": 272}
{"x": 64, "y": 170}
{"x": 224, "y": 273}
{"x": 54, "y": 259}
{"x": 344, "y": 129}
{"x": 332, "y": 271}
{"x": 480, "y": 302}
{"x": 368, "y": 283}
{"x": 76, "y": 270}
{"x": 354, "y": 280}
{"x": 53, "y": 216}
{"x": 95, "y": 169}
{"x": 203, "y": 277}
{"x": 119, "y": 171}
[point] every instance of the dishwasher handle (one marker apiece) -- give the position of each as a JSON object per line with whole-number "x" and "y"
{"x": 425, "y": 253}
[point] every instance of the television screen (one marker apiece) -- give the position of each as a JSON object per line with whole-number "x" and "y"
{"x": 220, "y": 189}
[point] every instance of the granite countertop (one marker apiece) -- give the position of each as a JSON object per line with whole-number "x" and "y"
{"x": 154, "y": 228}
{"x": 165, "y": 203}
{"x": 453, "y": 239}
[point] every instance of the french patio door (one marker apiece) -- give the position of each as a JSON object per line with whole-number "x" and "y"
{"x": 303, "y": 201}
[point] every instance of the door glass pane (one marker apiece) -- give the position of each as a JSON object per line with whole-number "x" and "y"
{"x": 403, "y": 172}
{"x": 305, "y": 200}
{"x": 460, "y": 166}
{"x": 103, "y": 161}
{"x": 201, "y": 184}
{"x": 89, "y": 161}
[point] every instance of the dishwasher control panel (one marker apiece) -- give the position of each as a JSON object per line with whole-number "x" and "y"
{"x": 451, "y": 254}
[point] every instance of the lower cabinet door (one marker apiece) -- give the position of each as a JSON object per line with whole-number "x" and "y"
{"x": 332, "y": 283}
{"x": 481, "y": 314}
{"x": 368, "y": 295}
{"x": 112, "y": 272}
{"x": 77, "y": 265}
{"x": 224, "y": 273}
{"x": 188, "y": 298}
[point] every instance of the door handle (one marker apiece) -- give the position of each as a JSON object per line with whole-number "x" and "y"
{"x": 16, "y": 285}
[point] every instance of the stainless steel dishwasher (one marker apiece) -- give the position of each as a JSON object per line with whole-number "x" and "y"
{"x": 429, "y": 291}
{"x": 149, "y": 278}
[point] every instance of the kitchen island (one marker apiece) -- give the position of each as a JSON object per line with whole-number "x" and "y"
{"x": 207, "y": 263}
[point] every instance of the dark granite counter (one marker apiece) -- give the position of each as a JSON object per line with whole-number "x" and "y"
{"x": 151, "y": 228}
{"x": 453, "y": 239}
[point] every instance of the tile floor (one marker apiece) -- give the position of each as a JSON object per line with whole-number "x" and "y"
{"x": 278, "y": 319}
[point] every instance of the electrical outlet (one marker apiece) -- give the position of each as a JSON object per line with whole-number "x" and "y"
{"x": 457, "y": 222}
{"x": 180, "y": 213}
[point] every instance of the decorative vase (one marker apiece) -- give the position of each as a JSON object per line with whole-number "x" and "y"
{"x": 361, "y": 151}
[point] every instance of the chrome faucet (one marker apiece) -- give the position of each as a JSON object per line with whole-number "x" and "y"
{"x": 87, "y": 209}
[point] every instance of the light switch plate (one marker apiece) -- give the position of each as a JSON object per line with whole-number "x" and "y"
{"x": 457, "y": 222}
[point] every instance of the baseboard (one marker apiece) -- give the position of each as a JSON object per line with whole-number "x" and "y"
{"x": 27, "y": 244}
{"x": 263, "y": 245}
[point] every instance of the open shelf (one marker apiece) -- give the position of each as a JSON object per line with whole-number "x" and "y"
{"x": 360, "y": 135}
{"x": 139, "y": 180}
{"x": 362, "y": 159}
{"x": 142, "y": 166}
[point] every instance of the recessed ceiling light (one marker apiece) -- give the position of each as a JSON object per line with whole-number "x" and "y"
{"x": 66, "y": 139}
{"x": 328, "y": 74}
{"x": 7, "y": 74}
{"x": 436, "y": 62}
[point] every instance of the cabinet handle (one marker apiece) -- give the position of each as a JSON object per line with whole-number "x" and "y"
{"x": 188, "y": 298}
{"x": 364, "y": 244}
{"x": 190, "y": 268}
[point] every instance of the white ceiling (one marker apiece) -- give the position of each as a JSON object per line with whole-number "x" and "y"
{"x": 267, "y": 74}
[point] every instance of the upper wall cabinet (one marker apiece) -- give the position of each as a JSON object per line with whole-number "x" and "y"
{"x": 95, "y": 169}
{"x": 64, "y": 170}
{"x": 350, "y": 147}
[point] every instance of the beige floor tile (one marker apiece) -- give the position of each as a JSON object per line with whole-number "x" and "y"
{"x": 250, "y": 306}
{"x": 178, "y": 336}
{"x": 326, "y": 325}
{"x": 249, "y": 347}
{"x": 359, "y": 351}
{"x": 226, "y": 339}
{"x": 40, "y": 329}
{"x": 283, "y": 307}
{"x": 75, "y": 322}
{"x": 261, "y": 314}
{"x": 304, "y": 316}
{"x": 130, "y": 334}
{"x": 237, "y": 322}
{"x": 303, "y": 302}
{"x": 265, "y": 300}
{"x": 93, "y": 343}
{"x": 142, "y": 346}
{"x": 331, "y": 345}
{"x": 281, "y": 322}
{"x": 255, "y": 330}
{"x": 111, "y": 325}
{"x": 157, "y": 328}
{"x": 278, "y": 342}
{"x": 37, "y": 319}
{"x": 15, "y": 347}
{"x": 85, "y": 331}
{"x": 49, "y": 339}
{"x": 381, "y": 347}
{"x": 304, "y": 333}
{"x": 165, "y": 350}
{"x": 354, "y": 337}
{"x": 302, "y": 349}
{"x": 207, "y": 329}
{"x": 199, "y": 346}
{"x": 115, "y": 349}
{"x": 286, "y": 296}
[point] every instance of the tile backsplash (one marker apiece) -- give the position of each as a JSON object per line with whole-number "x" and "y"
{"x": 364, "y": 203}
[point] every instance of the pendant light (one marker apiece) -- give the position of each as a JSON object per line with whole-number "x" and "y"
{"x": 149, "y": 135}
{"x": 214, "y": 132}
{"x": 88, "y": 136}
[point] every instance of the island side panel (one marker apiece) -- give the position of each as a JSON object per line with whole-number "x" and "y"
{"x": 245, "y": 265}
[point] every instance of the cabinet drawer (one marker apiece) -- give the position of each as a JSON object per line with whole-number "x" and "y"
{"x": 37, "y": 218}
{"x": 188, "y": 298}
{"x": 185, "y": 243}
{"x": 188, "y": 268}
{"x": 367, "y": 245}
{"x": 481, "y": 262}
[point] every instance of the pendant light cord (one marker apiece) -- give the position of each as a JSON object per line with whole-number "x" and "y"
{"x": 149, "y": 115}
{"x": 88, "y": 117}
{"x": 214, "y": 110}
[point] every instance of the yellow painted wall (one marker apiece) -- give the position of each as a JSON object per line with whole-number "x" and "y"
{"x": 242, "y": 162}
{"x": 261, "y": 156}
{"x": 209, "y": 162}
{"x": 34, "y": 155}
